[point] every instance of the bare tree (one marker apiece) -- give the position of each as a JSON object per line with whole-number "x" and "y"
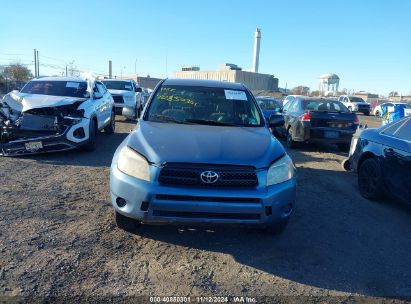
{"x": 16, "y": 72}
{"x": 300, "y": 90}
{"x": 393, "y": 93}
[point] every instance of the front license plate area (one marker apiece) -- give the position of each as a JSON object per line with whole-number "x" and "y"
{"x": 33, "y": 146}
{"x": 331, "y": 134}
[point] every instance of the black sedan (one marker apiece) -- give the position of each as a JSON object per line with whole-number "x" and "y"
{"x": 318, "y": 120}
{"x": 382, "y": 159}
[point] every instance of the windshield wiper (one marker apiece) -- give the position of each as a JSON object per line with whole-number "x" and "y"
{"x": 165, "y": 118}
{"x": 210, "y": 122}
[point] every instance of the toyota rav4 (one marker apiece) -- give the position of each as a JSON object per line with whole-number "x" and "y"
{"x": 202, "y": 153}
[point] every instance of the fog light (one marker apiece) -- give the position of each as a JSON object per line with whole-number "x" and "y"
{"x": 121, "y": 202}
{"x": 79, "y": 133}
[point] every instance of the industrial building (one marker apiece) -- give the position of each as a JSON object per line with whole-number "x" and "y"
{"x": 233, "y": 73}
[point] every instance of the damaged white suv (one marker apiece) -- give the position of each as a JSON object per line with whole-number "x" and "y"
{"x": 55, "y": 114}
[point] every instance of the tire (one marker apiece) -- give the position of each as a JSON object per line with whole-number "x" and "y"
{"x": 90, "y": 146}
{"x": 343, "y": 147}
{"x": 346, "y": 164}
{"x": 290, "y": 140}
{"x": 125, "y": 223}
{"x": 350, "y": 108}
{"x": 370, "y": 180}
{"x": 277, "y": 228}
{"x": 377, "y": 113}
{"x": 110, "y": 129}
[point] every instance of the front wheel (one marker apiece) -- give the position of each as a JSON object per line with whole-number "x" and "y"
{"x": 125, "y": 223}
{"x": 370, "y": 181}
{"x": 112, "y": 125}
{"x": 90, "y": 146}
{"x": 377, "y": 113}
{"x": 350, "y": 109}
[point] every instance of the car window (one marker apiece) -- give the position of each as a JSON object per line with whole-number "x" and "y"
{"x": 286, "y": 107}
{"x": 400, "y": 129}
{"x": 324, "y": 105}
{"x": 203, "y": 105}
{"x": 57, "y": 88}
{"x": 118, "y": 85}
{"x": 294, "y": 106}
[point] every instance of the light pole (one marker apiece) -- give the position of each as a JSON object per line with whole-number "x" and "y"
{"x": 121, "y": 74}
{"x": 135, "y": 67}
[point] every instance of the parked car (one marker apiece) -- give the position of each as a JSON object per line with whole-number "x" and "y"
{"x": 269, "y": 106}
{"x": 55, "y": 114}
{"x": 382, "y": 159}
{"x": 127, "y": 95}
{"x": 202, "y": 153}
{"x": 355, "y": 104}
{"x": 290, "y": 98}
{"x": 308, "y": 119}
{"x": 390, "y": 107}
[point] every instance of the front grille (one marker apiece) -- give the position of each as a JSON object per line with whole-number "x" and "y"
{"x": 189, "y": 175}
{"x": 214, "y": 199}
{"x": 118, "y": 99}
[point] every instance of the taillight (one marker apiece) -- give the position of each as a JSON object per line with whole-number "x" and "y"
{"x": 356, "y": 120}
{"x": 305, "y": 117}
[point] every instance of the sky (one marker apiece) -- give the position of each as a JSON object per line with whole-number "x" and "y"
{"x": 366, "y": 43}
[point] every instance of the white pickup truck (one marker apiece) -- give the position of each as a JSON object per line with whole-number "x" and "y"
{"x": 355, "y": 104}
{"x": 127, "y": 95}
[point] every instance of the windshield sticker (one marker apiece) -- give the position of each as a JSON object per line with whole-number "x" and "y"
{"x": 128, "y": 87}
{"x": 72, "y": 84}
{"x": 235, "y": 95}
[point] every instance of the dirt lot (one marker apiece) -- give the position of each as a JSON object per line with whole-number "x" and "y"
{"x": 57, "y": 237}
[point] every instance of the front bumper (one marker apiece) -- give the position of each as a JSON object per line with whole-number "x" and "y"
{"x": 323, "y": 135}
{"x": 151, "y": 202}
{"x": 127, "y": 111}
{"x": 51, "y": 143}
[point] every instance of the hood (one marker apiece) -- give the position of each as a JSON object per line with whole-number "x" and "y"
{"x": 166, "y": 142}
{"x": 121, "y": 92}
{"x": 22, "y": 102}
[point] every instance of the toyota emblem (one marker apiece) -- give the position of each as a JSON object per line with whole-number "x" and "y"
{"x": 209, "y": 177}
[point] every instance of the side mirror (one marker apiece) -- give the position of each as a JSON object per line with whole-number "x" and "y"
{"x": 97, "y": 95}
{"x": 139, "y": 90}
{"x": 276, "y": 121}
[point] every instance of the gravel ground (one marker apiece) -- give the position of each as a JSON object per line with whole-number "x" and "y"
{"x": 58, "y": 238}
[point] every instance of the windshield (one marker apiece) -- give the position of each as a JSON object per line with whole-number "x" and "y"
{"x": 203, "y": 105}
{"x": 356, "y": 99}
{"x": 268, "y": 104}
{"x": 57, "y": 88}
{"x": 324, "y": 105}
{"x": 118, "y": 85}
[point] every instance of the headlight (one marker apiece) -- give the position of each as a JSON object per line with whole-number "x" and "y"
{"x": 133, "y": 164}
{"x": 282, "y": 170}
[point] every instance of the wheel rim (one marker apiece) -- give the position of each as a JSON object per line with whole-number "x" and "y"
{"x": 368, "y": 179}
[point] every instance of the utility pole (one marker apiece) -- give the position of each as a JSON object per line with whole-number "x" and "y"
{"x": 35, "y": 63}
{"x": 38, "y": 64}
{"x": 110, "y": 69}
{"x": 66, "y": 70}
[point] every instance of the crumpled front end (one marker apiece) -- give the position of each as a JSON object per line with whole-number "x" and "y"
{"x": 40, "y": 130}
